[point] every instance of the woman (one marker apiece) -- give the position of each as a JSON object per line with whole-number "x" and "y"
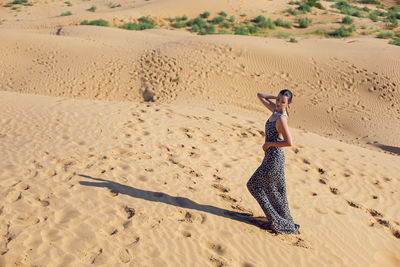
{"x": 267, "y": 184}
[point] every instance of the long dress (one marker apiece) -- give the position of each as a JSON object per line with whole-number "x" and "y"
{"x": 268, "y": 186}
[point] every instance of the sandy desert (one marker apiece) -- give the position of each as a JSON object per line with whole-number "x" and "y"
{"x": 128, "y": 145}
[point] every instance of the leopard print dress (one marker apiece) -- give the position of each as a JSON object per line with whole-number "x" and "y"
{"x": 268, "y": 186}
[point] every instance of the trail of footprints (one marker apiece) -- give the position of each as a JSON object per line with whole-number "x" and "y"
{"x": 376, "y": 215}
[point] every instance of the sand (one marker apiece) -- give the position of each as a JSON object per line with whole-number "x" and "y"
{"x": 133, "y": 148}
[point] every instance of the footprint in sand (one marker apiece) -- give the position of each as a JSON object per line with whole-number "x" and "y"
{"x": 221, "y": 188}
{"x": 334, "y": 190}
{"x": 124, "y": 255}
{"x": 217, "y": 262}
{"x": 13, "y": 196}
{"x": 89, "y": 255}
{"x": 219, "y": 249}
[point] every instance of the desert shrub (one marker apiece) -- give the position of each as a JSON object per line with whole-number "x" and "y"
{"x": 304, "y": 22}
{"x": 356, "y": 13}
{"x": 133, "y": 26}
{"x": 205, "y": 15}
{"x": 218, "y": 20}
{"x": 113, "y": 5}
{"x": 253, "y": 29}
{"x": 195, "y": 28}
{"x": 241, "y": 30}
{"x": 373, "y": 17}
{"x": 347, "y": 20}
{"x": 226, "y": 24}
{"x": 92, "y": 9}
{"x": 68, "y": 13}
{"x": 146, "y": 23}
{"x": 68, "y": 3}
{"x": 270, "y": 24}
{"x": 341, "y": 32}
{"x": 385, "y": 35}
{"x": 18, "y": 2}
{"x": 142, "y": 24}
{"x": 210, "y": 29}
{"x": 222, "y": 13}
{"x": 319, "y": 31}
{"x": 97, "y": 22}
{"x": 259, "y": 19}
{"x": 314, "y": 3}
{"x": 366, "y": 9}
{"x": 284, "y": 24}
{"x": 371, "y": 2}
{"x": 397, "y": 34}
{"x": 293, "y": 40}
{"x": 341, "y": 5}
{"x": 395, "y": 42}
{"x": 391, "y": 19}
{"x": 232, "y": 18}
{"x": 304, "y": 8}
{"x": 200, "y": 22}
{"x": 291, "y": 11}
{"x": 179, "y": 24}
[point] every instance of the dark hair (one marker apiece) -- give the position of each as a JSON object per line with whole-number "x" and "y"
{"x": 288, "y": 94}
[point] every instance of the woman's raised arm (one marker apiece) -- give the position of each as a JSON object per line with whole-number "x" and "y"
{"x": 264, "y": 98}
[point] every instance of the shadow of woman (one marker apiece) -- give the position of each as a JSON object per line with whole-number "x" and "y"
{"x": 182, "y": 202}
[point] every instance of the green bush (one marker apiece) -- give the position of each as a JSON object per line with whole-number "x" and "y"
{"x": 133, "y": 26}
{"x": 253, "y": 29}
{"x": 341, "y": 32}
{"x": 347, "y": 20}
{"x": 366, "y": 9}
{"x": 395, "y": 42}
{"x": 259, "y": 19}
{"x": 210, "y": 29}
{"x": 113, "y": 5}
{"x": 304, "y": 7}
{"x": 371, "y": 2}
{"x": 197, "y": 21}
{"x": 195, "y": 28}
{"x": 293, "y": 40}
{"x": 92, "y": 9}
{"x": 357, "y": 14}
{"x": 97, "y": 22}
{"x": 68, "y": 3}
{"x": 385, "y": 35}
{"x": 319, "y": 31}
{"x": 222, "y": 13}
{"x": 232, "y": 19}
{"x": 391, "y": 19}
{"x": 314, "y": 3}
{"x": 218, "y": 20}
{"x": 373, "y": 17}
{"x": 241, "y": 30}
{"x": 179, "y": 25}
{"x": 304, "y": 22}
{"x": 142, "y": 24}
{"x": 292, "y": 11}
{"x": 226, "y": 24}
{"x": 205, "y": 15}
{"x": 68, "y": 13}
{"x": 284, "y": 24}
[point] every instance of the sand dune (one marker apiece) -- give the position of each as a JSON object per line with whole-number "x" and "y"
{"x": 133, "y": 148}
{"x": 149, "y": 184}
